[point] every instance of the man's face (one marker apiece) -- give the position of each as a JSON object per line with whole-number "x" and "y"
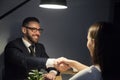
{"x": 32, "y": 32}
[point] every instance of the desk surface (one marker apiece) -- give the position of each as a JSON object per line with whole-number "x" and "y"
{"x": 59, "y": 78}
{"x": 66, "y": 72}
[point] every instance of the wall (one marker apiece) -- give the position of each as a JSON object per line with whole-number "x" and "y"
{"x": 65, "y": 31}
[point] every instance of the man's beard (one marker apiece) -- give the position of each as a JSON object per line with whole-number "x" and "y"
{"x": 31, "y": 39}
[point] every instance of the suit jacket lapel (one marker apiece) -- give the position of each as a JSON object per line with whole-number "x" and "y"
{"x": 23, "y": 47}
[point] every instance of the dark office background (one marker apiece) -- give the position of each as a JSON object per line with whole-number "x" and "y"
{"x": 65, "y": 31}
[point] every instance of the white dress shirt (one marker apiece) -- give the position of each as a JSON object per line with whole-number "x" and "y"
{"x": 50, "y": 61}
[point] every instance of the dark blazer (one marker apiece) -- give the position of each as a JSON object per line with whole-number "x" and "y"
{"x": 18, "y": 61}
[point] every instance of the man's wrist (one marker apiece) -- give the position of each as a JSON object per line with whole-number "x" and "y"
{"x": 50, "y": 62}
{"x": 50, "y": 66}
{"x": 53, "y": 71}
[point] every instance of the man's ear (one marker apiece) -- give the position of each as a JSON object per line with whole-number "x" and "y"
{"x": 23, "y": 30}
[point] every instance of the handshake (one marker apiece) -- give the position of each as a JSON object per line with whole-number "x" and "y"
{"x": 63, "y": 64}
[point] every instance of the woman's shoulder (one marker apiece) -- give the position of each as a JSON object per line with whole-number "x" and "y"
{"x": 90, "y": 73}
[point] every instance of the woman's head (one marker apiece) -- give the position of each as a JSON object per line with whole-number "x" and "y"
{"x": 99, "y": 36}
{"x": 92, "y": 33}
{"x": 105, "y": 39}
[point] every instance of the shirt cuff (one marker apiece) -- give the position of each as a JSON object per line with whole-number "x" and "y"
{"x": 50, "y": 62}
{"x": 53, "y": 72}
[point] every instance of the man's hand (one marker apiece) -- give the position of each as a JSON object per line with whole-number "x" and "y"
{"x": 49, "y": 76}
{"x": 61, "y": 65}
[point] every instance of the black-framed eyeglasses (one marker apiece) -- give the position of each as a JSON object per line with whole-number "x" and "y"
{"x": 35, "y": 29}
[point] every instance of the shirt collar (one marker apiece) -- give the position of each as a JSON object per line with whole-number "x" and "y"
{"x": 27, "y": 44}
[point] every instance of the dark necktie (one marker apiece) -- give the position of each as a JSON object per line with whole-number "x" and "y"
{"x": 32, "y": 52}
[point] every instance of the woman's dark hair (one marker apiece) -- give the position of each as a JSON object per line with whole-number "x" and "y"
{"x": 104, "y": 35}
{"x": 106, "y": 51}
{"x": 94, "y": 33}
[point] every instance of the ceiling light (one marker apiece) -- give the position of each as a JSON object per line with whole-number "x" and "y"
{"x": 53, "y": 4}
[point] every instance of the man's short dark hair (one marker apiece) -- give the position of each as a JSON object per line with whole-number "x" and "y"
{"x": 29, "y": 19}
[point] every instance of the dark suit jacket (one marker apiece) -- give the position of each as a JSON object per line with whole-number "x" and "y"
{"x": 18, "y": 61}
